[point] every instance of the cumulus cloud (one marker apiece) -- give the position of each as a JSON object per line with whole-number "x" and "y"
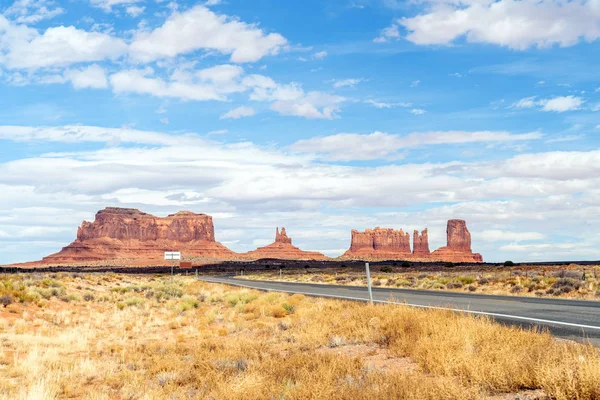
{"x": 22, "y": 47}
{"x": 381, "y": 104}
{"x": 352, "y": 146}
{"x": 555, "y": 104}
{"x": 239, "y": 112}
{"x": 134, "y": 11}
{"x": 514, "y": 24}
{"x": 417, "y": 111}
{"x": 199, "y": 28}
{"x": 320, "y": 55}
{"x": 107, "y": 5}
{"x": 93, "y": 77}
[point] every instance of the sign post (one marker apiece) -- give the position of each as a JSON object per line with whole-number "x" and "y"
{"x": 369, "y": 283}
{"x": 172, "y": 256}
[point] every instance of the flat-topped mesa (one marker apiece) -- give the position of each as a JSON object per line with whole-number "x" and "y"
{"x": 421, "y": 244}
{"x": 283, "y": 249}
{"x": 282, "y": 237}
{"x": 129, "y": 223}
{"x": 127, "y": 233}
{"x": 458, "y": 244}
{"x": 379, "y": 243}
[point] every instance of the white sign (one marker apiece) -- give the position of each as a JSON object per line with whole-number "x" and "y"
{"x": 172, "y": 255}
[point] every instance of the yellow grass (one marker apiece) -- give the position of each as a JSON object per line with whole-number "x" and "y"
{"x": 139, "y": 337}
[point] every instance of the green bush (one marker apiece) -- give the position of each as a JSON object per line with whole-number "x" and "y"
{"x": 405, "y": 264}
{"x": 449, "y": 264}
{"x": 509, "y": 264}
{"x": 6, "y": 300}
{"x": 289, "y": 308}
{"x": 386, "y": 268}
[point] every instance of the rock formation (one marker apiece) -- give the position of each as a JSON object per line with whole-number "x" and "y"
{"x": 283, "y": 249}
{"x": 390, "y": 244}
{"x": 129, "y": 234}
{"x": 282, "y": 237}
{"x": 458, "y": 247}
{"x": 420, "y": 244}
{"x": 379, "y": 243}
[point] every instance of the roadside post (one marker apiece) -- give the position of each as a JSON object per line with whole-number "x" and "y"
{"x": 280, "y": 274}
{"x": 369, "y": 283}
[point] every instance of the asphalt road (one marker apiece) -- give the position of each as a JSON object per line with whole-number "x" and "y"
{"x": 569, "y": 319}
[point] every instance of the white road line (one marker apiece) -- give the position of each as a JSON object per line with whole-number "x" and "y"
{"x": 545, "y": 321}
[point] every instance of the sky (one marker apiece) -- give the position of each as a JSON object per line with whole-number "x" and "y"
{"x": 321, "y": 116}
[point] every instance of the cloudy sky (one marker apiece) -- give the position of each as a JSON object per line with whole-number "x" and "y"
{"x": 319, "y": 115}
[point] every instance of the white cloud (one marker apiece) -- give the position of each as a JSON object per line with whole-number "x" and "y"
{"x": 219, "y": 132}
{"x": 144, "y": 82}
{"x": 514, "y": 24}
{"x": 495, "y": 235}
{"x": 351, "y": 82}
{"x": 32, "y": 11}
{"x": 386, "y": 34}
{"x": 415, "y": 83}
{"x": 107, "y": 5}
{"x": 379, "y": 104}
{"x": 165, "y": 120}
{"x": 201, "y": 29}
{"x": 555, "y": 104}
{"x": 239, "y": 112}
{"x": 320, "y": 55}
{"x": 417, "y": 111}
{"x": 135, "y": 11}
{"x": 93, "y": 77}
{"x": 562, "y": 103}
{"x": 527, "y": 102}
{"x": 351, "y": 146}
{"x": 25, "y": 48}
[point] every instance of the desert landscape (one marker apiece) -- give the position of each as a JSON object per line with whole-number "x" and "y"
{"x": 108, "y": 336}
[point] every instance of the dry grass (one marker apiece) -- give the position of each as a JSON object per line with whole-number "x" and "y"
{"x": 136, "y": 337}
{"x": 574, "y": 281}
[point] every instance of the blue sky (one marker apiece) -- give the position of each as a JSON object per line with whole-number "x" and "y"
{"x": 320, "y": 116}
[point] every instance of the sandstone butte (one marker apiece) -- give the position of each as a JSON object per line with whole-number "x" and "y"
{"x": 283, "y": 249}
{"x": 132, "y": 236}
{"x": 390, "y": 244}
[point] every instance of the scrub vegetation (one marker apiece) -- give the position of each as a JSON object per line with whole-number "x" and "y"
{"x": 573, "y": 281}
{"x": 106, "y": 336}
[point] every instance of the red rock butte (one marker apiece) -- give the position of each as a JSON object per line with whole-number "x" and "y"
{"x": 283, "y": 249}
{"x": 129, "y": 234}
{"x": 390, "y": 244}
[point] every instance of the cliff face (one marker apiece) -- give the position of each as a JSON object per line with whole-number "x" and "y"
{"x": 421, "y": 244}
{"x": 283, "y": 249}
{"x": 458, "y": 247}
{"x": 135, "y": 236}
{"x": 390, "y": 244}
{"x": 379, "y": 243}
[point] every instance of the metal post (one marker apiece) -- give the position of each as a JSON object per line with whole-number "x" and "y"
{"x": 369, "y": 283}
{"x": 196, "y": 273}
{"x": 280, "y": 274}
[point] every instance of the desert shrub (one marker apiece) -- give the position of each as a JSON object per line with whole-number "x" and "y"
{"x": 317, "y": 278}
{"x": 449, "y": 264}
{"x": 289, "y": 308}
{"x": 438, "y": 285}
{"x": 422, "y": 276}
{"x": 376, "y": 282}
{"x": 516, "y": 289}
{"x": 531, "y": 288}
{"x": 240, "y": 298}
{"x": 386, "y": 268}
{"x": 336, "y": 341}
{"x": 391, "y": 282}
{"x": 598, "y": 293}
{"x": 67, "y": 298}
{"x": 149, "y": 294}
{"x": 539, "y": 294}
{"x": 6, "y": 300}
{"x": 88, "y": 296}
{"x": 466, "y": 280}
{"x": 483, "y": 281}
{"x": 170, "y": 290}
{"x": 341, "y": 279}
{"x": 403, "y": 282}
{"x": 550, "y": 291}
{"x": 187, "y": 303}
{"x": 405, "y": 264}
{"x": 509, "y": 263}
{"x": 133, "y": 301}
{"x": 454, "y": 285}
{"x": 472, "y": 288}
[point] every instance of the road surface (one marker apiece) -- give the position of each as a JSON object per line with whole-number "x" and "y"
{"x": 569, "y": 319}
